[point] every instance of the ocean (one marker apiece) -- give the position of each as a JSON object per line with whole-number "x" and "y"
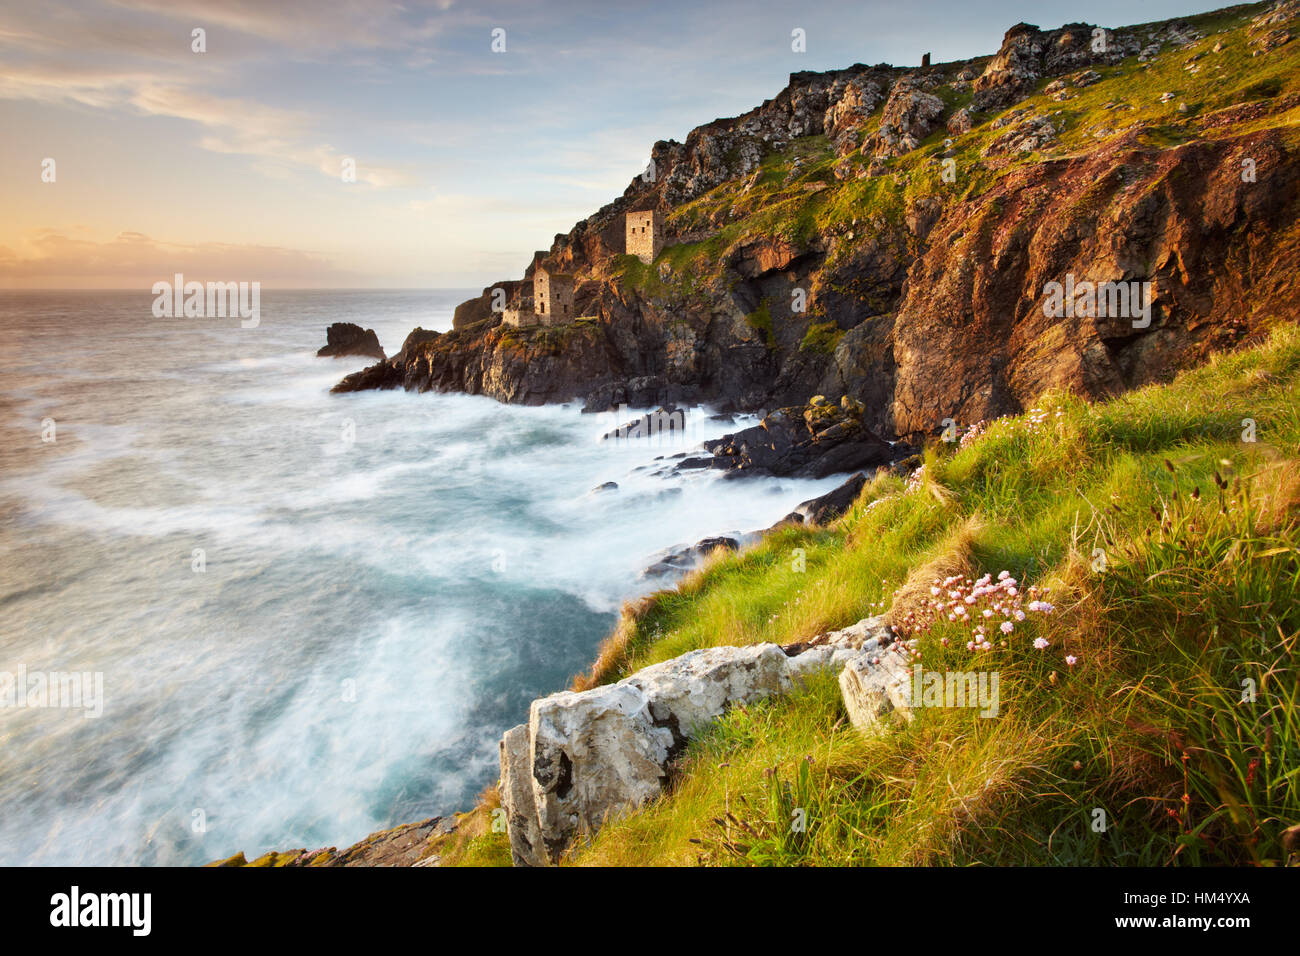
{"x": 310, "y": 616}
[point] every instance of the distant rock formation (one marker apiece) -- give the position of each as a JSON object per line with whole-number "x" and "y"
{"x": 345, "y": 338}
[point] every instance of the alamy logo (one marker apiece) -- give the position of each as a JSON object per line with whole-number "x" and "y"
{"x": 74, "y": 908}
{"x": 956, "y": 689}
{"x": 216, "y": 300}
{"x": 56, "y": 689}
{"x": 1121, "y": 300}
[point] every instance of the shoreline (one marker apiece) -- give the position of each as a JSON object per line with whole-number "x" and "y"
{"x": 418, "y": 843}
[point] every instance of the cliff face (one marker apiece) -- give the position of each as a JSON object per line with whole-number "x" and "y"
{"x": 893, "y": 236}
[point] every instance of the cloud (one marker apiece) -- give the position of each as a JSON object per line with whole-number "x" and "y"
{"x": 51, "y": 53}
{"x": 134, "y": 260}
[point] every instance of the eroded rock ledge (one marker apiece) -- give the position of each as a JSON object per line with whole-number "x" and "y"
{"x": 585, "y": 757}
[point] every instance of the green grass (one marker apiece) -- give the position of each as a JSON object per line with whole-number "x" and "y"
{"x": 760, "y": 320}
{"x": 1155, "y": 725}
{"x": 822, "y": 338}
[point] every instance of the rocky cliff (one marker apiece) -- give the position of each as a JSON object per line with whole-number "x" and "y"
{"x": 892, "y": 234}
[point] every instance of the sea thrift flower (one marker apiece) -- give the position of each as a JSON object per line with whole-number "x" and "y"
{"x": 1071, "y": 659}
{"x": 1040, "y": 643}
{"x": 958, "y": 598}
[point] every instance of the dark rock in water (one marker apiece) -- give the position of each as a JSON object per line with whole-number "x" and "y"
{"x": 812, "y": 442}
{"x": 379, "y": 375}
{"x": 831, "y": 505}
{"x": 680, "y": 560}
{"x": 345, "y": 338}
{"x": 666, "y": 420}
{"x": 688, "y": 464}
{"x": 707, "y": 545}
{"x": 607, "y": 486}
{"x": 676, "y": 563}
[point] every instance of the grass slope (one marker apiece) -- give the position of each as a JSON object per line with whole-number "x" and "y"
{"x": 1169, "y": 544}
{"x": 1178, "y": 719}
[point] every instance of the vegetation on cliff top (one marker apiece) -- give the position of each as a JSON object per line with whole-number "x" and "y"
{"x": 1163, "y": 103}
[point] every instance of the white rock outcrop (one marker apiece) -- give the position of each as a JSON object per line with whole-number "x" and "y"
{"x": 874, "y": 685}
{"x": 586, "y": 757}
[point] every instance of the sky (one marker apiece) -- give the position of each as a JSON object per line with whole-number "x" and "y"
{"x": 229, "y": 164}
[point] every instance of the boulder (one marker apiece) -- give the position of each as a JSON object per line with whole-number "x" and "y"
{"x": 831, "y": 505}
{"x": 1029, "y": 134}
{"x": 810, "y": 442}
{"x": 586, "y": 757}
{"x": 526, "y": 847}
{"x": 345, "y": 338}
{"x": 594, "y": 754}
{"x": 687, "y": 692}
{"x": 853, "y": 100}
{"x": 873, "y": 685}
{"x": 961, "y": 121}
